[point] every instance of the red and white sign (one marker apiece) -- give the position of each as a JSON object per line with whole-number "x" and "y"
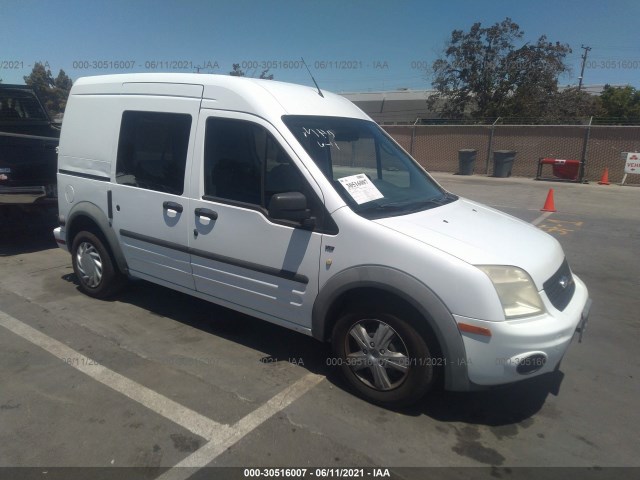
{"x": 632, "y": 165}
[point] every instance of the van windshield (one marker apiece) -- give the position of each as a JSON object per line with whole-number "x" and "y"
{"x": 371, "y": 173}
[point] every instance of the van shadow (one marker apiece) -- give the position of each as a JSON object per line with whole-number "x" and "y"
{"x": 495, "y": 407}
{"x": 279, "y": 344}
{"x": 498, "y": 406}
{"x": 25, "y": 230}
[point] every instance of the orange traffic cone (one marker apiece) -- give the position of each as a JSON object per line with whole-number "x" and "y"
{"x": 548, "y": 204}
{"x": 605, "y": 178}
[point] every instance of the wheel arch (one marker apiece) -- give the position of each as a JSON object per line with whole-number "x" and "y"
{"x": 88, "y": 216}
{"x": 390, "y": 285}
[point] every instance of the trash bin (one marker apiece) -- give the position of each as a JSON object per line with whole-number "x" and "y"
{"x": 466, "y": 161}
{"x": 503, "y": 162}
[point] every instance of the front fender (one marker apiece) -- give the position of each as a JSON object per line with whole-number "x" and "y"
{"x": 412, "y": 291}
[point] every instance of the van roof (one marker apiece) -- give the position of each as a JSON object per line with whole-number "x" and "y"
{"x": 261, "y": 97}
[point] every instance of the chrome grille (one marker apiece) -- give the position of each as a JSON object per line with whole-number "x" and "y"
{"x": 560, "y": 287}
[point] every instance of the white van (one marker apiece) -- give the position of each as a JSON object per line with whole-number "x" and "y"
{"x": 289, "y": 204}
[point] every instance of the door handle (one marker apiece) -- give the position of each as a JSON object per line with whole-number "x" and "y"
{"x": 172, "y": 206}
{"x": 205, "y": 212}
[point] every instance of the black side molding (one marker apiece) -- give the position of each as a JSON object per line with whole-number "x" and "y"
{"x": 85, "y": 175}
{"x": 286, "y": 274}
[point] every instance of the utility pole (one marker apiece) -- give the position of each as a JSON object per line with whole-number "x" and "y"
{"x": 584, "y": 61}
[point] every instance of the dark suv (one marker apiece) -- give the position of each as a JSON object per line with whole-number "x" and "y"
{"x": 28, "y": 142}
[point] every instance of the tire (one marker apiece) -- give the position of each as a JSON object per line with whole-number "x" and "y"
{"x": 396, "y": 372}
{"x": 94, "y": 267}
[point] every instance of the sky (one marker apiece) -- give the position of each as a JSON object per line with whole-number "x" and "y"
{"x": 349, "y": 45}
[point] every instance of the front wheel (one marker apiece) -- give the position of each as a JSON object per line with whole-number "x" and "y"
{"x": 383, "y": 358}
{"x": 94, "y": 267}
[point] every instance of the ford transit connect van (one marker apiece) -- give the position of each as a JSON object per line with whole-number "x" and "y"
{"x": 290, "y": 204}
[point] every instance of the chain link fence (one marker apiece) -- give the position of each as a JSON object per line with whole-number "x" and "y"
{"x": 436, "y": 146}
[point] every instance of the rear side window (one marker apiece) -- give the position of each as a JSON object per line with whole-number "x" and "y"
{"x": 152, "y": 151}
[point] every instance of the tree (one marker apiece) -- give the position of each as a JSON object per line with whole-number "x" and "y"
{"x": 621, "y": 103}
{"x": 40, "y": 78}
{"x": 265, "y": 75}
{"x": 484, "y": 74}
{"x": 238, "y": 72}
{"x": 571, "y": 106}
{"x": 62, "y": 88}
{"x": 52, "y": 92}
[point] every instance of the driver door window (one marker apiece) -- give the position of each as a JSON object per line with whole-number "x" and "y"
{"x": 244, "y": 163}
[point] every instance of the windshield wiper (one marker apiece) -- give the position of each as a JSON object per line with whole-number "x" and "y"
{"x": 431, "y": 203}
{"x": 407, "y": 207}
{"x": 389, "y": 207}
{"x": 446, "y": 198}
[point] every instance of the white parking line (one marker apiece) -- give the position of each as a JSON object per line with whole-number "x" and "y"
{"x": 236, "y": 432}
{"x": 183, "y": 416}
{"x": 219, "y": 436}
{"x": 541, "y": 218}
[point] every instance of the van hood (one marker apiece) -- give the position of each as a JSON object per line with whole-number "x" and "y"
{"x": 480, "y": 235}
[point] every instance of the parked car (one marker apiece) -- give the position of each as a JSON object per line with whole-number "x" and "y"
{"x": 288, "y": 203}
{"x": 28, "y": 142}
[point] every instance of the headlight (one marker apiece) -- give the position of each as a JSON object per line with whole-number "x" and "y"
{"x": 516, "y": 291}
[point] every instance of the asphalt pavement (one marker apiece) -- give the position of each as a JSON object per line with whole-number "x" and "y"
{"x": 165, "y": 384}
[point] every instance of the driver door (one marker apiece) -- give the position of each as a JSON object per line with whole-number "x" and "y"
{"x": 239, "y": 254}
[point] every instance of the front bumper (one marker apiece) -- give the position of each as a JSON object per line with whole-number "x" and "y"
{"x": 519, "y": 349}
{"x": 61, "y": 238}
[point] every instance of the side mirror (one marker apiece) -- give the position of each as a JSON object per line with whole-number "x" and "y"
{"x": 290, "y": 206}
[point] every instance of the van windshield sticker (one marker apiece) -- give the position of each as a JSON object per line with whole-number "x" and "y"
{"x": 324, "y": 138}
{"x": 360, "y": 188}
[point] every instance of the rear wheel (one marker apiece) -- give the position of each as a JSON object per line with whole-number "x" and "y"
{"x": 383, "y": 358}
{"x": 94, "y": 267}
